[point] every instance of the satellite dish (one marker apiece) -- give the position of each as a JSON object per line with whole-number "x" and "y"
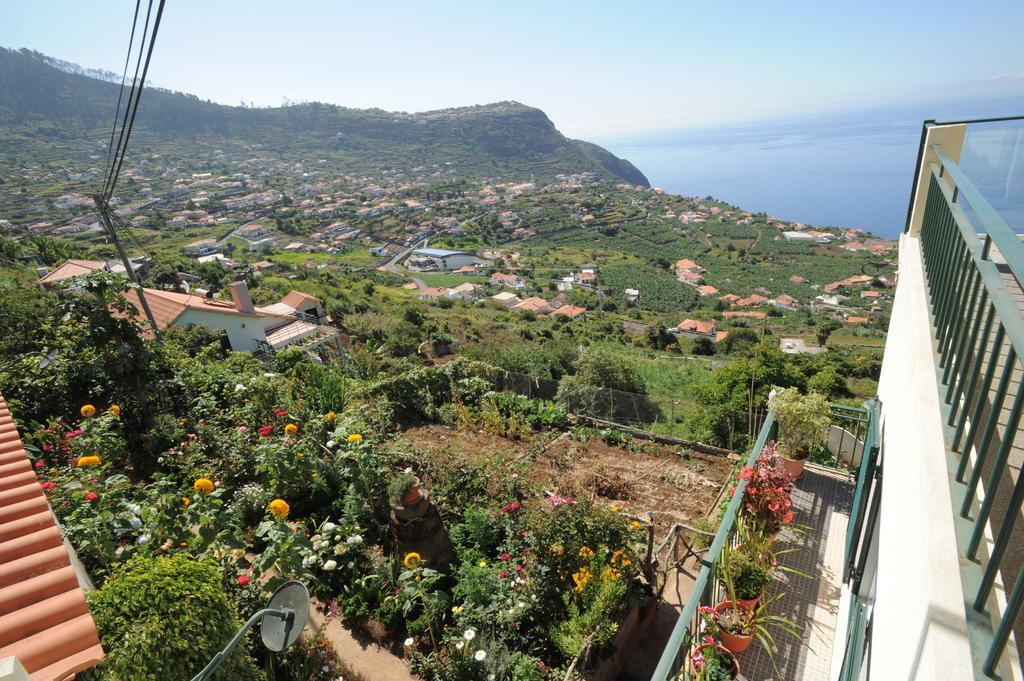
{"x": 280, "y": 630}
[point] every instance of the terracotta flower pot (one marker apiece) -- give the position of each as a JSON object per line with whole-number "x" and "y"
{"x": 734, "y": 671}
{"x": 748, "y": 604}
{"x": 795, "y": 466}
{"x": 734, "y": 643}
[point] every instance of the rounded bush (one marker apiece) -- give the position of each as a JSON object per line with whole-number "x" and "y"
{"x": 165, "y": 618}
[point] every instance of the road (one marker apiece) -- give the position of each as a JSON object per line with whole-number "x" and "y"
{"x": 392, "y": 264}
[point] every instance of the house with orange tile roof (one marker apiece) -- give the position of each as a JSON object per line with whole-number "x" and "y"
{"x": 797, "y": 279}
{"x": 692, "y": 278}
{"x": 858, "y": 320}
{"x": 730, "y": 297}
{"x": 695, "y": 328}
{"x": 432, "y": 293}
{"x": 248, "y": 328}
{"x": 872, "y": 295}
{"x": 570, "y": 311}
{"x": 785, "y": 302}
{"x": 721, "y": 336}
{"x": 706, "y": 290}
{"x": 687, "y": 265}
{"x": 45, "y": 624}
{"x": 751, "y": 300}
{"x": 534, "y": 304}
{"x": 510, "y": 280}
{"x": 69, "y": 269}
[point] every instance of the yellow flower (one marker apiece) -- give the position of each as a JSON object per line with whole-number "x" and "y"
{"x": 585, "y": 552}
{"x": 412, "y": 559}
{"x": 636, "y": 524}
{"x": 482, "y": 563}
{"x": 457, "y": 609}
{"x": 330, "y": 416}
{"x": 88, "y": 461}
{"x": 291, "y": 429}
{"x": 557, "y": 549}
{"x": 581, "y": 578}
{"x": 621, "y": 558}
{"x": 203, "y": 486}
{"x": 355, "y": 437}
{"x": 610, "y": 574}
{"x": 182, "y": 422}
{"x": 314, "y": 474}
{"x": 279, "y": 507}
{"x": 185, "y": 501}
{"x": 115, "y": 410}
{"x": 88, "y": 411}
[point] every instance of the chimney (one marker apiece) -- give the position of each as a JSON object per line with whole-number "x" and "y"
{"x": 240, "y": 294}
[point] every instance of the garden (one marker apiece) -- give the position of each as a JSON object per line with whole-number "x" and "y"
{"x": 477, "y": 534}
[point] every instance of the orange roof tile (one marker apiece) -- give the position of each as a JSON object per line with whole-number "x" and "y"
{"x": 71, "y": 268}
{"x": 570, "y": 311}
{"x": 44, "y": 620}
{"x": 296, "y": 298}
{"x": 167, "y": 306}
{"x": 697, "y": 326}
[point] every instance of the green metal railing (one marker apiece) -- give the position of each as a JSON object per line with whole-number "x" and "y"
{"x": 979, "y": 343}
{"x": 852, "y": 422}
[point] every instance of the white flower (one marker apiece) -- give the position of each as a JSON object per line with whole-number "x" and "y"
{"x": 490, "y": 677}
{"x": 239, "y": 387}
{"x": 408, "y": 642}
{"x": 469, "y": 634}
{"x": 520, "y": 604}
{"x": 339, "y": 549}
{"x": 355, "y": 539}
{"x": 159, "y": 459}
{"x": 460, "y": 645}
{"x": 135, "y": 523}
{"x": 143, "y": 539}
{"x": 480, "y": 655}
{"x": 329, "y": 527}
{"x": 331, "y": 444}
{"x": 135, "y": 509}
{"x": 315, "y": 538}
{"x": 330, "y": 565}
{"x": 268, "y": 375}
{"x": 351, "y": 564}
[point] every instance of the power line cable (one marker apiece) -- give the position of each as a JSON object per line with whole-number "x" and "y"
{"x": 138, "y": 96}
{"x": 120, "y": 93}
{"x": 121, "y": 142}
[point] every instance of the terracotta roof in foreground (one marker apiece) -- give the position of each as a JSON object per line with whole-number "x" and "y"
{"x": 72, "y": 268}
{"x": 44, "y": 620}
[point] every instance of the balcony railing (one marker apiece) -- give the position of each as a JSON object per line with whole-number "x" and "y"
{"x": 974, "y": 263}
{"x": 853, "y": 437}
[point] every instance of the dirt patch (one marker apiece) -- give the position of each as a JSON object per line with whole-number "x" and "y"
{"x": 675, "y": 484}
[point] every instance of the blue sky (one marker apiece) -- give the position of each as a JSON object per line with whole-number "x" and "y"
{"x": 597, "y": 68}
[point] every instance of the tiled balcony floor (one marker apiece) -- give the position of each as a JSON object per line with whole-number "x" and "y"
{"x": 822, "y": 499}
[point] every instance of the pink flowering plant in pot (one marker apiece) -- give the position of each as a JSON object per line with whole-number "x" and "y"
{"x": 767, "y": 499}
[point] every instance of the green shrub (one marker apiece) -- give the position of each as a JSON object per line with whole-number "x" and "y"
{"x": 165, "y": 618}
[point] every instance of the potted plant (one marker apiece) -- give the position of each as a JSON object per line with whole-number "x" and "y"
{"x": 749, "y": 577}
{"x": 767, "y": 500}
{"x": 404, "y": 490}
{"x": 803, "y": 424}
{"x": 711, "y": 661}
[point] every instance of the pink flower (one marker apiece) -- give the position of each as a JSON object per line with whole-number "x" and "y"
{"x": 243, "y": 580}
{"x": 48, "y": 485}
{"x": 519, "y": 569}
{"x": 91, "y": 496}
{"x": 47, "y": 447}
{"x": 709, "y": 640}
{"x": 505, "y": 557}
{"x": 242, "y": 429}
{"x": 40, "y": 464}
{"x": 74, "y": 433}
{"x": 503, "y": 574}
{"x": 511, "y": 506}
{"x": 280, "y": 412}
{"x": 521, "y": 533}
{"x": 265, "y": 431}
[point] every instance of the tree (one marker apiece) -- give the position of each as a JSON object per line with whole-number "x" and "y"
{"x": 825, "y": 329}
{"x": 703, "y": 346}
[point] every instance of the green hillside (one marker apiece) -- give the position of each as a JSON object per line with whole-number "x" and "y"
{"x": 42, "y": 106}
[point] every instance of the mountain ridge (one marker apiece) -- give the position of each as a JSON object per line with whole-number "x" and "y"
{"x": 53, "y": 103}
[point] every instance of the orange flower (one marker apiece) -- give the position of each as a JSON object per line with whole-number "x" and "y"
{"x": 412, "y": 559}
{"x": 330, "y": 416}
{"x": 185, "y": 501}
{"x": 291, "y": 429}
{"x": 85, "y": 461}
{"x": 88, "y": 411}
{"x": 586, "y": 552}
{"x": 203, "y": 486}
{"x": 115, "y": 410}
{"x": 355, "y": 438}
{"x": 279, "y": 508}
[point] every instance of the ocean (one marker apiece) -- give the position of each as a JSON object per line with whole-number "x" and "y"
{"x": 848, "y": 169}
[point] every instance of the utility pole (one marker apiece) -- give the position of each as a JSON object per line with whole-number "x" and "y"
{"x": 104, "y": 209}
